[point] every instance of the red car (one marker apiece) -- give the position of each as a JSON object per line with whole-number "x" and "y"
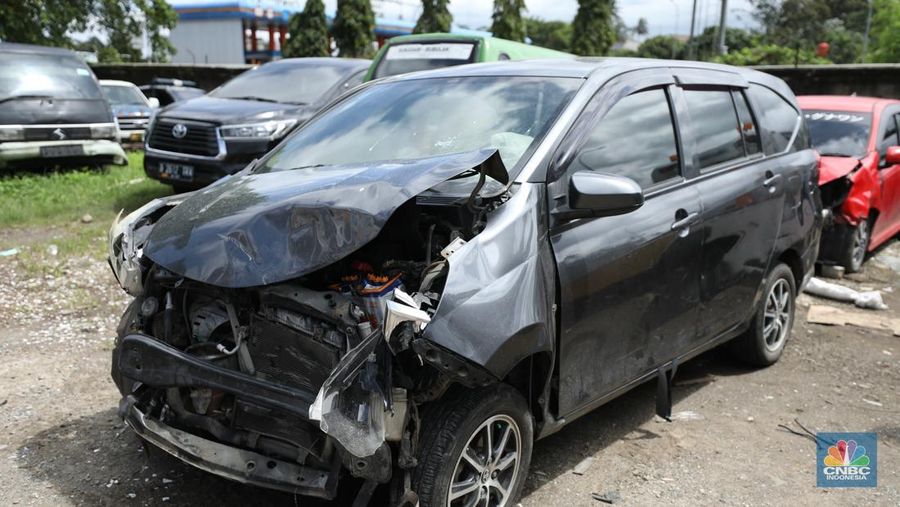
{"x": 859, "y": 173}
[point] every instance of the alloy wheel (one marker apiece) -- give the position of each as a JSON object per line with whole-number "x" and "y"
{"x": 488, "y": 468}
{"x": 777, "y": 317}
{"x": 860, "y": 242}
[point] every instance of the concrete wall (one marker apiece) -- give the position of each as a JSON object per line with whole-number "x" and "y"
{"x": 208, "y": 41}
{"x": 874, "y": 80}
{"x": 206, "y": 76}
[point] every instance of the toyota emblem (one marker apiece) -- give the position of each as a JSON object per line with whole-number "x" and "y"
{"x": 179, "y": 130}
{"x": 59, "y": 134}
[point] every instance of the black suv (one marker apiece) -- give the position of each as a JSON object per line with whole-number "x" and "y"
{"x": 195, "y": 142}
{"x": 168, "y": 90}
{"x": 445, "y": 266}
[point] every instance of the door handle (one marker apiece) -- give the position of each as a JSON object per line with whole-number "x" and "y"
{"x": 686, "y": 221}
{"x": 772, "y": 180}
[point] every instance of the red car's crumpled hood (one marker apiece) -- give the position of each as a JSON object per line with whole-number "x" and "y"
{"x": 832, "y": 168}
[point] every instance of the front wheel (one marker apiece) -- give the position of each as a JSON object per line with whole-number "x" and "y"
{"x": 853, "y": 252}
{"x": 475, "y": 449}
{"x": 763, "y": 343}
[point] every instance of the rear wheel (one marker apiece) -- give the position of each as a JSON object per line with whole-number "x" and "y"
{"x": 763, "y": 343}
{"x": 475, "y": 449}
{"x": 853, "y": 253}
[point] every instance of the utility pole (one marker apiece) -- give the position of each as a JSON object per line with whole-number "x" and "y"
{"x": 720, "y": 47}
{"x": 690, "y": 44}
{"x": 865, "y": 49}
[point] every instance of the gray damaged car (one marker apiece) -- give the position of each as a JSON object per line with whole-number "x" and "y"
{"x": 442, "y": 267}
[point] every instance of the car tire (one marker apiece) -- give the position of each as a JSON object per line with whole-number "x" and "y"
{"x": 856, "y": 244}
{"x": 461, "y": 422}
{"x": 763, "y": 343}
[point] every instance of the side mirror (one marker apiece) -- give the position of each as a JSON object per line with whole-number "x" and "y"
{"x": 593, "y": 194}
{"x": 154, "y": 102}
{"x": 892, "y": 156}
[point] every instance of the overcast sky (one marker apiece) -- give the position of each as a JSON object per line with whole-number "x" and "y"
{"x": 661, "y": 15}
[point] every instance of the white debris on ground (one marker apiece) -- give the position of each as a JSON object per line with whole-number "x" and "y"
{"x": 863, "y": 299}
{"x": 73, "y": 301}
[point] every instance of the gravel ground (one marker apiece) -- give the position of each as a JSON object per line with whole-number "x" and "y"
{"x": 61, "y": 442}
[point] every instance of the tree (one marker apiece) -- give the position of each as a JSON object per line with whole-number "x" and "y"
{"x": 354, "y": 28}
{"x": 309, "y": 32}
{"x": 771, "y": 54}
{"x": 707, "y": 42}
{"x": 549, "y": 34}
{"x": 845, "y": 46}
{"x": 435, "y": 17}
{"x": 120, "y": 21}
{"x": 507, "y": 20}
{"x": 641, "y": 27}
{"x": 885, "y": 33}
{"x": 662, "y": 46}
{"x": 593, "y": 30}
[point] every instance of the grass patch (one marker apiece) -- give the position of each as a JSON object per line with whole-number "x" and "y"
{"x": 28, "y": 200}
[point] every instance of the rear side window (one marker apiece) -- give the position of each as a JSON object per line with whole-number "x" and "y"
{"x": 777, "y": 118}
{"x": 635, "y": 139}
{"x": 716, "y": 128}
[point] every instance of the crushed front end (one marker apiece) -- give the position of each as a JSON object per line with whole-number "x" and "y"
{"x": 290, "y": 384}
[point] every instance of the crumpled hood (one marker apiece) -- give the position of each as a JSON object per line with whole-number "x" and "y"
{"x": 262, "y": 228}
{"x": 832, "y": 168}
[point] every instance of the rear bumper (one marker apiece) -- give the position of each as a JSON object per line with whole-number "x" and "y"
{"x": 230, "y": 462}
{"x": 28, "y": 153}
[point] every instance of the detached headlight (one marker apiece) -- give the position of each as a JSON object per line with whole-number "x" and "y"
{"x": 264, "y": 130}
{"x": 12, "y": 134}
{"x": 104, "y": 131}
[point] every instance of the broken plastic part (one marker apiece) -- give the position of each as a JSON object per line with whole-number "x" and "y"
{"x": 398, "y": 313}
{"x": 451, "y": 249}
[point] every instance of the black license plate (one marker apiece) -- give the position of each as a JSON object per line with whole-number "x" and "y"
{"x": 177, "y": 172}
{"x": 66, "y": 150}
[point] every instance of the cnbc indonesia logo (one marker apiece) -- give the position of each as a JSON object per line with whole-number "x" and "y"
{"x": 848, "y": 462}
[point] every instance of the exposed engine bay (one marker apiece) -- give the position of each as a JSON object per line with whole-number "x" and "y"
{"x": 297, "y": 379}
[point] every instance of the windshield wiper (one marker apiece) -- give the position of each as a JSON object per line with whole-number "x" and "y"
{"x": 17, "y": 97}
{"x": 252, "y": 97}
{"x": 836, "y": 155}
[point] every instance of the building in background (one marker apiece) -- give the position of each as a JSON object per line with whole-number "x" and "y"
{"x": 249, "y": 31}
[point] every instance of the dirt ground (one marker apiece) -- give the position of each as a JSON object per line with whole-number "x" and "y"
{"x": 62, "y": 444}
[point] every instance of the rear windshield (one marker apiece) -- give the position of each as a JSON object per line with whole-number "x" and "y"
{"x": 411, "y": 57}
{"x": 124, "y": 95}
{"x": 839, "y": 133}
{"x": 40, "y": 75}
{"x": 283, "y": 82}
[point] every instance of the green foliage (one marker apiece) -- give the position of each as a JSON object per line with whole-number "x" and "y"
{"x": 593, "y": 30}
{"x": 435, "y": 17}
{"x": 771, "y": 54}
{"x": 507, "y": 20}
{"x": 885, "y": 32}
{"x": 845, "y": 46}
{"x": 662, "y": 46}
{"x": 549, "y": 34}
{"x": 706, "y": 43}
{"x": 59, "y": 197}
{"x": 354, "y": 28}
{"x": 50, "y": 23}
{"x": 309, "y": 32}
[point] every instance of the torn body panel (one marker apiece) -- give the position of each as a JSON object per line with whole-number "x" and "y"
{"x": 496, "y": 308}
{"x": 851, "y": 187}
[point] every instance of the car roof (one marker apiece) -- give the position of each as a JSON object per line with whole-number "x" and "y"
{"x": 844, "y": 102}
{"x": 116, "y": 82}
{"x": 583, "y": 67}
{"x": 30, "y": 48}
{"x": 348, "y": 64}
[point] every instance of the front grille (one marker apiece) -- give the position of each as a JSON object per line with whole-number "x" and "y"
{"x": 200, "y": 138}
{"x": 53, "y": 133}
{"x": 133, "y": 123}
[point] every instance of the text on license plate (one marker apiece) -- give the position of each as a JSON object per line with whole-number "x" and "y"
{"x": 180, "y": 172}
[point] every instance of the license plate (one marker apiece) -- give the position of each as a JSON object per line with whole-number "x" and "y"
{"x": 179, "y": 172}
{"x": 66, "y": 150}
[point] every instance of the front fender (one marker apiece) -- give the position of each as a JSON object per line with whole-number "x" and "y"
{"x": 865, "y": 192}
{"x": 496, "y": 308}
